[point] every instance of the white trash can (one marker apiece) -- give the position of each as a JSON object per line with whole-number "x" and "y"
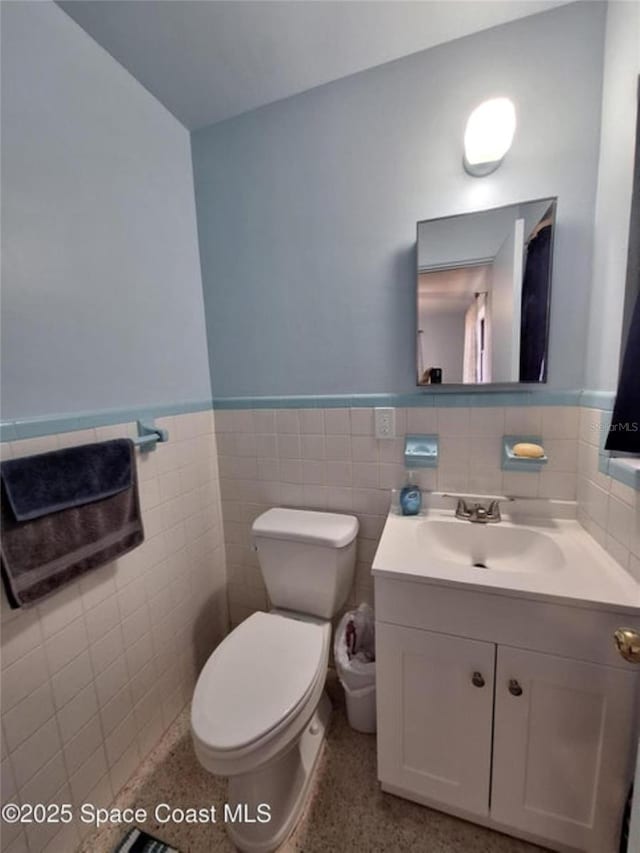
{"x": 355, "y": 663}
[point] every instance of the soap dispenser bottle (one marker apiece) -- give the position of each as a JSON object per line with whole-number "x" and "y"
{"x": 411, "y": 496}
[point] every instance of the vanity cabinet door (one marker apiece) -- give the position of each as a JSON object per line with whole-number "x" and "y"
{"x": 435, "y": 707}
{"x": 562, "y": 747}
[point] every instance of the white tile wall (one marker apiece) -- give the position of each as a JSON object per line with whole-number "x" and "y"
{"x": 607, "y": 509}
{"x": 329, "y": 459}
{"x": 94, "y": 675}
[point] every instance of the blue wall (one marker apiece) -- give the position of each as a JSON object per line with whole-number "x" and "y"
{"x": 615, "y": 183}
{"x": 101, "y": 288}
{"x": 307, "y": 208}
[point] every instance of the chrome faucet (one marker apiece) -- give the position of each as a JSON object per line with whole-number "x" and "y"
{"x": 477, "y": 512}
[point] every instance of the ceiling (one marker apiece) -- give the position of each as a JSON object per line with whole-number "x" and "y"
{"x": 451, "y": 291}
{"x": 208, "y": 61}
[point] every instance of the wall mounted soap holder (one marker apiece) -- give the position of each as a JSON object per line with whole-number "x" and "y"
{"x": 421, "y": 451}
{"x": 511, "y": 462}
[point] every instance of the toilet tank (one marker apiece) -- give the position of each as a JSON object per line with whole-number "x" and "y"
{"x": 307, "y": 559}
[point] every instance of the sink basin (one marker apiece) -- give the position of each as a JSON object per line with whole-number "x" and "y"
{"x": 541, "y": 558}
{"x": 489, "y": 546}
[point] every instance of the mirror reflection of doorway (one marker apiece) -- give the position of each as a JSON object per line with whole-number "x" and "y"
{"x": 456, "y": 333}
{"x": 482, "y": 374}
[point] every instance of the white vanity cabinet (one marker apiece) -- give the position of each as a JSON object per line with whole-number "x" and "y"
{"x": 436, "y": 723}
{"x": 513, "y": 713}
{"x": 561, "y": 748}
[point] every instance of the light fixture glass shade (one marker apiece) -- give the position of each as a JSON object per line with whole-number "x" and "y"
{"x": 488, "y": 136}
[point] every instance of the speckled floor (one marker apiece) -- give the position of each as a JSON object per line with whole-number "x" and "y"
{"x": 346, "y": 812}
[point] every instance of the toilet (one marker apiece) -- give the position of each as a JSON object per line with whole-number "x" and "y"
{"x": 260, "y": 711}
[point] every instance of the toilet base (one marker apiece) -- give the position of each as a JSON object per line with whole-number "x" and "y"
{"x": 283, "y": 784}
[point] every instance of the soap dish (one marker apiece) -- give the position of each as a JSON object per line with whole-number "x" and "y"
{"x": 511, "y": 462}
{"x": 421, "y": 451}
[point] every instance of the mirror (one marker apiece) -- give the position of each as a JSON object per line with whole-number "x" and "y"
{"x": 484, "y": 291}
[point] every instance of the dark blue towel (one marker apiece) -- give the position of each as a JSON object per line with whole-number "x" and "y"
{"x": 50, "y": 482}
{"x": 624, "y": 434}
{"x": 66, "y": 513}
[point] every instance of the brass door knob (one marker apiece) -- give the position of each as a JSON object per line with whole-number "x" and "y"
{"x": 628, "y": 642}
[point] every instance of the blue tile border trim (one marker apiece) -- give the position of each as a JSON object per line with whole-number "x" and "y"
{"x": 442, "y": 397}
{"x": 616, "y": 467}
{"x": 52, "y": 424}
{"x": 626, "y": 471}
{"x": 597, "y": 400}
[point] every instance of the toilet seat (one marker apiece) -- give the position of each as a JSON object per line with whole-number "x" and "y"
{"x": 257, "y": 681}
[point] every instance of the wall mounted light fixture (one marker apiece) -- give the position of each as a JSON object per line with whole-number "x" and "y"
{"x": 488, "y": 136}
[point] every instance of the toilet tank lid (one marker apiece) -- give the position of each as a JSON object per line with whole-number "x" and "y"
{"x": 319, "y": 528}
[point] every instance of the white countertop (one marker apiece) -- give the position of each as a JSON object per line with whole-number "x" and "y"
{"x": 589, "y": 577}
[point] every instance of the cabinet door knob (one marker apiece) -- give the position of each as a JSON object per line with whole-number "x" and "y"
{"x": 477, "y": 679}
{"x": 514, "y": 688}
{"x": 628, "y": 642}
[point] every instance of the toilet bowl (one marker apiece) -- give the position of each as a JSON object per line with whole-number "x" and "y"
{"x": 259, "y": 711}
{"x": 257, "y": 717}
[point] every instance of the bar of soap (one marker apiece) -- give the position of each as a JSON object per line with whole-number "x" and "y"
{"x": 529, "y": 451}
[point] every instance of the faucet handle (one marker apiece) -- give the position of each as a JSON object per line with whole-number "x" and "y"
{"x": 493, "y": 511}
{"x": 462, "y": 510}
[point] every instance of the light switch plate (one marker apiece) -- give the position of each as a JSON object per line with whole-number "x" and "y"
{"x": 385, "y": 422}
